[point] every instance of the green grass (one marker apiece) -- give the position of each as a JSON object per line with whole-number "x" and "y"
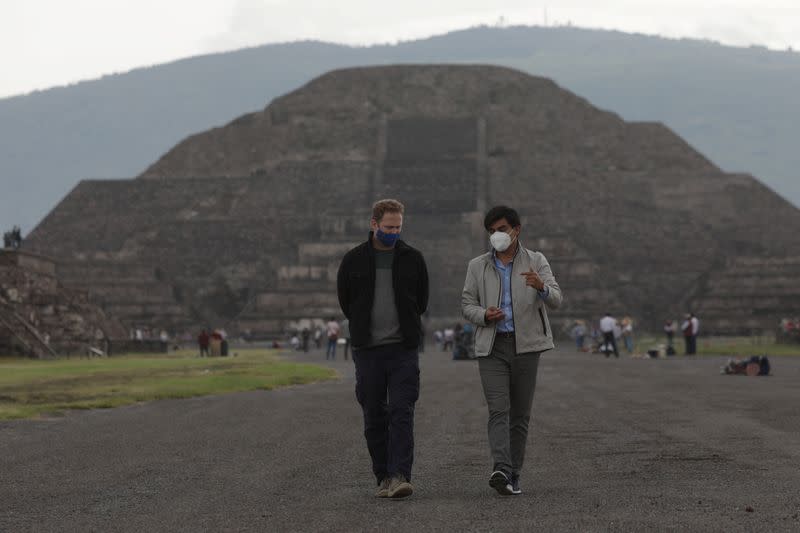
{"x": 727, "y": 346}
{"x": 31, "y": 388}
{"x": 745, "y": 346}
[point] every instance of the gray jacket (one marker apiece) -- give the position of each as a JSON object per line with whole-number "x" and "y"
{"x": 482, "y": 290}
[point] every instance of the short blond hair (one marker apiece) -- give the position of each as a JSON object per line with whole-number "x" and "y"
{"x": 381, "y": 207}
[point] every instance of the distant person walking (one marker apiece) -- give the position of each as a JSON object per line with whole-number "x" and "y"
{"x": 438, "y": 338}
{"x": 344, "y": 332}
{"x": 202, "y": 340}
{"x": 669, "y": 331}
{"x": 215, "y": 346}
{"x": 449, "y": 339}
{"x": 332, "y": 331}
{"x": 608, "y": 325}
{"x": 510, "y": 335}
{"x": 318, "y": 338}
{"x": 223, "y": 345}
{"x": 627, "y": 334}
{"x": 305, "y": 335}
{"x": 579, "y": 334}
{"x": 690, "y": 328}
{"x": 382, "y": 286}
{"x": 459, "y": 350}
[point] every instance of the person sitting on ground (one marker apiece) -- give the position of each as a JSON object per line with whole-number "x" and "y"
{"x": 755, "y": 365}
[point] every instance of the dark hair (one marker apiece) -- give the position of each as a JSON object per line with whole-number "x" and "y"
{"x": 498, "y": 212}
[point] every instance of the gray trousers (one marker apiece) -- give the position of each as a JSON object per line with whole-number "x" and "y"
{"x": 509, "y": 381}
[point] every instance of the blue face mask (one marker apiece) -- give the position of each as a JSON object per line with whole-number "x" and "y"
{"x": 387, "y": 239}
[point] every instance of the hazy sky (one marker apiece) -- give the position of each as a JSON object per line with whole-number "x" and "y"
{"x": 54, "y": 42}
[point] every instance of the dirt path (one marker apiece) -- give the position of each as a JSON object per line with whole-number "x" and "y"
{"x": 616, "y": 445}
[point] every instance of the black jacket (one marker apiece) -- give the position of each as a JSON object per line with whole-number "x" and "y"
{"x": 355, "y": 285}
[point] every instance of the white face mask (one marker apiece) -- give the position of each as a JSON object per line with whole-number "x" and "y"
{"x": 500, "y": 241}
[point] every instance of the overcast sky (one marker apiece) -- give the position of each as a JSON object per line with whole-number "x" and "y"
{"x": 54, "y": 42}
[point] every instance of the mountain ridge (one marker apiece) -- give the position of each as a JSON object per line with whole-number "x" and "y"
{"x": 743, "y": 119}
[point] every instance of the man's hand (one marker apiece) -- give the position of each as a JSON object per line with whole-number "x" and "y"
{"x": 494, "y": 314}
{"x": 532, "y": 279}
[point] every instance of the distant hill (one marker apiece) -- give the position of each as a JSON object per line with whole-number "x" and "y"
{"x": 738, "y": 106}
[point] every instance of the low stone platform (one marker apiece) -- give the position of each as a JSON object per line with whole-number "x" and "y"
{"x": 39, "y": 317}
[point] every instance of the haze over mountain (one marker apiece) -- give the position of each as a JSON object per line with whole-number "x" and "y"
{"x": 737, "y": 106}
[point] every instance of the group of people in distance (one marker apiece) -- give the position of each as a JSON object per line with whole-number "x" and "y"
{"x": 214, "y": 343}
{"x": 13, "y": 239}
{"x": 610, "y": 330}
{"x": 457, "y": 339}
{"x": 335, "y": 332}
{"x": 382, "y": 286}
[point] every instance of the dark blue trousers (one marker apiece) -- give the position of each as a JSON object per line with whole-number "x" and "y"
{"x": 387, "y": 387}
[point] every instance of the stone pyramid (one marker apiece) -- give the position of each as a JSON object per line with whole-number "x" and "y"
{"x": 244, "y": 225}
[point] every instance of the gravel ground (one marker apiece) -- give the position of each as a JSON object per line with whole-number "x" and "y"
{"x": 615, "y": 445}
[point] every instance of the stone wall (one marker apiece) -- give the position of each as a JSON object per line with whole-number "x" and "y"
{"x": 749, "y": 295}
{"x": 40, "y": 317}
{"x": 28, "y": 261}
{"x": 421, "y": 139}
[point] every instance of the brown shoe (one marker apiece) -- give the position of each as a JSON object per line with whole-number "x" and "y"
{"x": 383, "y": 489}
{"x": 399, "y": 487}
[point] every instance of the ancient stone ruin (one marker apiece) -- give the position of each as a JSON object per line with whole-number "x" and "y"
{"x": 41, "y": 318}
{"x": 244, "y": 225}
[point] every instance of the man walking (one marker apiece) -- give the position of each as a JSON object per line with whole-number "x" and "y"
{"x": 382, "y": 286}
{"x": 506, "y": 295}
{"x": 608, "y": 327}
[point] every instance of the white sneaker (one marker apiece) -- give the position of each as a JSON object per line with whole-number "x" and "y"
{"x": 399, "y": 487}
{"x": 383, "y": 489}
